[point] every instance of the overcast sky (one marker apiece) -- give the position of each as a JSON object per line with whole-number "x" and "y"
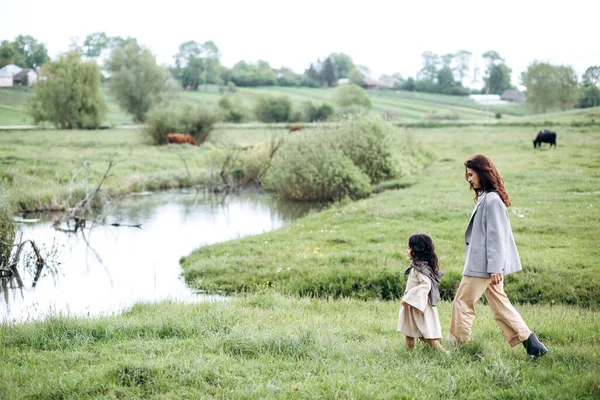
{"x": 385, "y": 36}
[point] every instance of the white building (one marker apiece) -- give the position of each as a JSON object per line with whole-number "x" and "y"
{"x": 486, "y": 99}
{"x": 7, "y": 73}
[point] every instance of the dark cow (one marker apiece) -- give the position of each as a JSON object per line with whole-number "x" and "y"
{"x": 181, "y": 138}
{"x": 545, "y": 136}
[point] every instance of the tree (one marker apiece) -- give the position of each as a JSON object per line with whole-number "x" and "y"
{"x": 356, "y": 77}
{"x": 409, "y": 85}
{"x": 462, "y": 60}
{"x": 312, "y": 73}
{"x": 35, "y": 53}
{"x": 549, "y": 86}
{"x": 94, "y": 44}
{"x": 342, "y": 65}
{"x": 10, "y": 54}
{"x": 445, "y": 80}
{"x": 136, "y": 81}
{"x": 197, "y": 63}
{"x": 497, "y": 77}
{"x": 590, "y": 90}
{"x": 75, "y": 45}
{"x": 118, "y": 41}
{"x": 431, "y": 61}
{"x": 447, "y": 60}
{"x": 70, "y": 97}
{"x": 328, "y": 73}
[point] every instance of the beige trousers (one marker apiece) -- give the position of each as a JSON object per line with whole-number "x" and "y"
{"x": 463, "y": 311}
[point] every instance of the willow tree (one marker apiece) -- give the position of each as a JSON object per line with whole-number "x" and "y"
{"x": 70, "y": 96}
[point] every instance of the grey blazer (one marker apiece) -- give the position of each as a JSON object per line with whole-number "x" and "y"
{"x": 490, "y": 245}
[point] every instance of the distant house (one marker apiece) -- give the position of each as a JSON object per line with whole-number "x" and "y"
{"x": 369, "y": 83}
{"x": 485, "y": 99}
{"x": 25, "y": 77}
{"x": 12, "y": 74}
{"x": 513, "y": 95}
{"x": 6, "y": 78}
{"x": 7, "y": 74}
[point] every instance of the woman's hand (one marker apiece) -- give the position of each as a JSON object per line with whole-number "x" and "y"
{"x": 496, "y": 279}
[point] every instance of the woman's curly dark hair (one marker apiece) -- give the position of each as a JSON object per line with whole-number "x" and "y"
{"x": 488, "y": 175}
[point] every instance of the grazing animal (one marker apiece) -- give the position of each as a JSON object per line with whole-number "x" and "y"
{"x": 296, "y": 128}
{"x": 181, "y": 138}
{"x": 545, "y": 136}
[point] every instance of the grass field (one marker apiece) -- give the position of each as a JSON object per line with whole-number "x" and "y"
{"x": 338, "y": 339}
{"x": 400, "y": 106}
{"x": 269, "y": 346}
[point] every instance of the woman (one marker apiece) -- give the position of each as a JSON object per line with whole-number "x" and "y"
{"x": 490, "y": 254}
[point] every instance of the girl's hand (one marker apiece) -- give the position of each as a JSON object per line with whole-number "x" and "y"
{"x": 496, "y": 279}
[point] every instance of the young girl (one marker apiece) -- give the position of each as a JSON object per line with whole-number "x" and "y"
{"x": 418, "y": 314}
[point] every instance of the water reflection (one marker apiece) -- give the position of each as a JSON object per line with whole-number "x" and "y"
{"x": 106, "y": 267}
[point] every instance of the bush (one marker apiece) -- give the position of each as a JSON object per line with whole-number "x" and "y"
{"x": 366, "y": 141}
{"x": 312, "y": 167}
{"x": 255, "y": 161}
{"x": 233, "y": 109}
{"x": 318, "y": 113}
{"x": 323, "y": 165}
{"x": 196, "y": 121}
{"x": 273, "y": 108}
{"x": 352, "y": 95}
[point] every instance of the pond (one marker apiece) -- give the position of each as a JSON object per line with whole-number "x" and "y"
{"x": 107, "y": 267}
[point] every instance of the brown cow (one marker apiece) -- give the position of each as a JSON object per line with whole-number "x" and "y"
{"x": 296, "y": 128}
{"x": 181, "y": 138}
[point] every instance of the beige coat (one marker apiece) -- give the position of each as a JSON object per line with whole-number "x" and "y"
{"x": 420, "y": 319}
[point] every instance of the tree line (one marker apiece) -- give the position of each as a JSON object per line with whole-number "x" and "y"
{"x": 138, "y": 82}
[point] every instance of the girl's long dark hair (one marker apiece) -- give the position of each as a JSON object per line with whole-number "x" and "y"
{"x": 423, "y": 249}
{"x": 490, "y": 178}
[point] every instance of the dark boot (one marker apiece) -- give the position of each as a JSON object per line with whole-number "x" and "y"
{"x": 534, "y": 347}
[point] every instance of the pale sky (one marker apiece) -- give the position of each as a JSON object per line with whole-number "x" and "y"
{"x": 385, "y": 36}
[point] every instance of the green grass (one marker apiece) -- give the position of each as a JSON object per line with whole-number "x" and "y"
{"x": 357, "y": 249}
{"x": 269, "y": 346}
{"x": 37, "y": 166}
{"x": 403, "y": 107}
{"x": 344, "y": 344}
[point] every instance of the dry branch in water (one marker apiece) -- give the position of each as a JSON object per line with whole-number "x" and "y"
{"x": 10, "y": 270}
{"x": 78, "y": 212}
